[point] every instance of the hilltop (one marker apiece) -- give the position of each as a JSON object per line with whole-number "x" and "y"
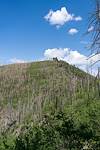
{"x": 33, "y": 86}
{"x": 31, "y": 90}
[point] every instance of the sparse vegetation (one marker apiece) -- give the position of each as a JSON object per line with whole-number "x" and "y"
{"x": 48, "y": 105}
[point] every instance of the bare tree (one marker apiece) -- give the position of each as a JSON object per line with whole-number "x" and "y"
{"x": 94, "y": 26}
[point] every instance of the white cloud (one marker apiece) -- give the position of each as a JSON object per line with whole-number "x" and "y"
{"x": 72, "y": 57}
{"x": 91, "y": 29}
{"x": 73, "y": 31}
{"x": 60, "y": 17}
{"x": 94, "y": 58}
{"x": 55, "y": 52}
{"x": 79, "y": 18}
{"x": 15, "y": 60}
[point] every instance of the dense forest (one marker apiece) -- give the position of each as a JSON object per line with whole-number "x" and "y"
{"x": 48, "y": 105}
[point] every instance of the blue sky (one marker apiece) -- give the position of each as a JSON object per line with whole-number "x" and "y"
{"x": 33, "y": 29}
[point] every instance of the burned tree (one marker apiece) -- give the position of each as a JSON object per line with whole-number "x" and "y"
{"x": 94, "y": 30}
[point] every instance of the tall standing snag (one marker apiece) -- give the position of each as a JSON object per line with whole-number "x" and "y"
{"x": 95, "y": 23}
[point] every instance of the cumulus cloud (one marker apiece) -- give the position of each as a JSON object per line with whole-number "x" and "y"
{"x": 55, "y": 52}
{"x": 60, "y": 17}
{"x": 73, "y": 31}
{"x": 72, "y": 57}
{"x": 15, "y": 60}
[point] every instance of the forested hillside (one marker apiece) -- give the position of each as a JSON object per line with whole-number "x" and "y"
{"x": 48, "y": 105}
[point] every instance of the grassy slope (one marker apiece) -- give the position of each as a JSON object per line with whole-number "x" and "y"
{"x": 29, "y": 90}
